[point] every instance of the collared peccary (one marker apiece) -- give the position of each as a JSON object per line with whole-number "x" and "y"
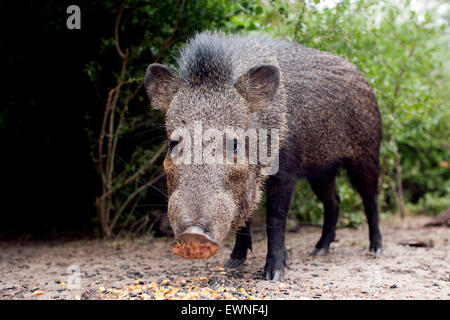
{"x": 327, "y": 118}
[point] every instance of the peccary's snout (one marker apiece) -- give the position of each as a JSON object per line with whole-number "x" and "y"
{"x": 194, "y": 243}
{"x": 200, "y": 220}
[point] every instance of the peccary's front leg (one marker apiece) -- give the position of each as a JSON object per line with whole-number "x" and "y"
{"x": 241, "y": 246}
{"x": 279, "y": 194}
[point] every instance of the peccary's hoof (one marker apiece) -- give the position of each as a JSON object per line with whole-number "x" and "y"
{"x": 233, "y": 263}
{"x": 320, "y": 252}
{"x": 194, "y": 245}
{"x": 275, "y": 275}
{"x": 376, "y": 251}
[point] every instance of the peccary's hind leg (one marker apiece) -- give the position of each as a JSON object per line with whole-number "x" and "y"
{"x": 325, "y": 190}
{"x": 365, "y": 179}
{"x": 241, "y": 246}
{"x": 279, "y": 193}
{"x": 370, "y": 206}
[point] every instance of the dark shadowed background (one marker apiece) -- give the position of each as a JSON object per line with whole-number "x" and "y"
{"x": 48, "y": 178}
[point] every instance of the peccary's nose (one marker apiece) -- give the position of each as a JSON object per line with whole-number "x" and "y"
{"x": 194, "y": 243}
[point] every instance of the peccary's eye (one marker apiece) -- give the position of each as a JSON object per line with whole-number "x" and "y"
{"x": 173, "y": 144}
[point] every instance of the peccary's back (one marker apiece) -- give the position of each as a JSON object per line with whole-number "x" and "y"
{"x": 332, "y": 111}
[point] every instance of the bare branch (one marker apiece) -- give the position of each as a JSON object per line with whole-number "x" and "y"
{"x": 131, "y": 197}
{"x": 116, "y": 31}
{"x": 399, "y": 189}
{"x": 112, "y": 138}
{"x": 133, "y": 208}
{"x": 122, "y": 118}
{"x": 102, "y": 136}
{"x": 137, "y": 173}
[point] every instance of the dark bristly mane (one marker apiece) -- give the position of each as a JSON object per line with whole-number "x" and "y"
{"x": 206, "y": 61}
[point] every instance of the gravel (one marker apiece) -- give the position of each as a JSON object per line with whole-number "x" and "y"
{"x": 146, "y": 269}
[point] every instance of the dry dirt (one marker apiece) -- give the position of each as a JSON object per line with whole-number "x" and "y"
{"x": 415, "y": 265}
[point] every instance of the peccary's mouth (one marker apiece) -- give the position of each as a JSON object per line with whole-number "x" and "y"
{"x": 194, "y": 244}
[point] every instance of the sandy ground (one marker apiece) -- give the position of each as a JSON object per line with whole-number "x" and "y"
{"x": 415, "y": 265}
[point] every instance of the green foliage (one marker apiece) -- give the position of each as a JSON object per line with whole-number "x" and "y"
{"x": 306, "y": 207}
{"x": 433, "y": 203}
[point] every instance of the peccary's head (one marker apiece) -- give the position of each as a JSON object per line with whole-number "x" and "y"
{"x": 210, "y": 190}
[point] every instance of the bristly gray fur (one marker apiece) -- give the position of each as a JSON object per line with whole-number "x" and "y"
{"x": 325, "y": 110}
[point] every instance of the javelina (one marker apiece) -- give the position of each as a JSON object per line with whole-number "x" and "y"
{"x": 327, "y": 118}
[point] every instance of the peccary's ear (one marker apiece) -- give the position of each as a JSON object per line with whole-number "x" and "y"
{"x": 258, "y": 86}
{"x": 161, "y": 84}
